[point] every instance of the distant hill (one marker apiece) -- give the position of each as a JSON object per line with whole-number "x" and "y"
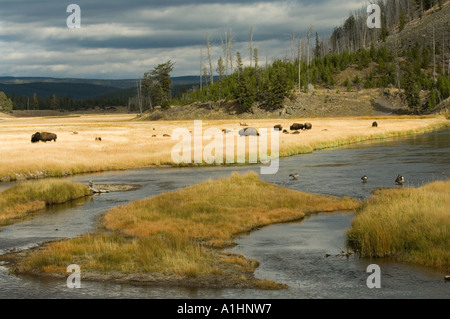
{"x": 121, "y": 84}
{"x": 80, "y": 89}
{"x": 77, "y": 91}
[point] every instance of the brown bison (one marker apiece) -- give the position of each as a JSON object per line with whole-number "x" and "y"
{"x": 307, "y": 126}
{"x": 374, "y": 124}
{"x": 296, "y": 126}
{"x": 43, "y": 136}
{"x": 278, "y": 127}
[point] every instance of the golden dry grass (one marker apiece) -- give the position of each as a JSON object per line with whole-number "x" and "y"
{"x": 20, "y": 200}
{"x": 129, "y": 144}
{"x": 409, "y": 224}
{"x": 178, "y": 233}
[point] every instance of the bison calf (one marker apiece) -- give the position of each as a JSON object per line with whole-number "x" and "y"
{"x": 43, "y": 136}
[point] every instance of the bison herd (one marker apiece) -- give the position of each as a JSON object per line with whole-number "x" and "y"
{"x": 296, "y": 127}
{"x": 248, "y": 131}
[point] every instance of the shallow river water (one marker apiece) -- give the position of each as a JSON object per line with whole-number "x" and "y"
{"x": 291, "y": 253}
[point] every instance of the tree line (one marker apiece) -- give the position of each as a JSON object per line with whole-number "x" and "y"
{"x": 62, "y": 102}
{"x": 268, "y": 86}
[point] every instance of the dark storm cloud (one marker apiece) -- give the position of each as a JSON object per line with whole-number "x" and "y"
{"x": 34, "y": 34}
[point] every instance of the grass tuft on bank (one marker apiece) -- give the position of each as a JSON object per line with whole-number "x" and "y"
{"x": 21, "y": 200}
{"x": 181, "y": 233}
{"x": 409, "y": 224}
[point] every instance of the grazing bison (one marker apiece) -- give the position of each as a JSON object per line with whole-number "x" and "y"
{"x": 278, "y": 127}
{"x": 374, "y": 124}
{"x": 249, "y": 131}
{"x": 98, "y": 138}
{"x": 296, "y": 126}
{"x": 307, "y": 126}
{"x": 43, "y": 136}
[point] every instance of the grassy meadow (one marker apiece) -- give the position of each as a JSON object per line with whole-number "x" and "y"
{"x": 409, "y": 224}
{"x": 19, "y": 201}
{"x": 182, "y": 233}
{"x": 127, "y": 143}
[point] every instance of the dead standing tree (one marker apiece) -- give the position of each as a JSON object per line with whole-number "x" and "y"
{"x": 208, "y": 49}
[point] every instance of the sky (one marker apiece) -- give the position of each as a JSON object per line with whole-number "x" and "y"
{"x": 124, "y": 39}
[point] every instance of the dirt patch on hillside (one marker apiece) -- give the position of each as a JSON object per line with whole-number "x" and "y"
{"x": 332, "y": 102}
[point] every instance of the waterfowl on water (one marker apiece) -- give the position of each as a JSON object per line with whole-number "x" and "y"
{"x": 294, "y": 176}
{"x": 364, "y": 178}
{"x": 399, "y": 180}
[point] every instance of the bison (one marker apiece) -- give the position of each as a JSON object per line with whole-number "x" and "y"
{"x": 296, "y": 126}
{"x": 278, "y": 127}
{"x": 307, "y": 126}
{"x": 43, "y": 136}
{"x": 249, "y": 131}
{"x": 374, "y": 124}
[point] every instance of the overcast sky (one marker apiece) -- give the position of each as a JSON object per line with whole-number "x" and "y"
{"x": 123, "y": 39}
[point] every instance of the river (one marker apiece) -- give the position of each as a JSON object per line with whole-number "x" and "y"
{"x": 291, "y": 253}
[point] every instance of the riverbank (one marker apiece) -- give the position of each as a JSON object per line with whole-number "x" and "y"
{"x": 407, "y": 224}
{"x": 178, "y": 238}
{"x": 25, "y": 199}
{"x": 127, "y": 144}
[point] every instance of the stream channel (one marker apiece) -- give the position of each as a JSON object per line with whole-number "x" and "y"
{"x": 292, "y": 253}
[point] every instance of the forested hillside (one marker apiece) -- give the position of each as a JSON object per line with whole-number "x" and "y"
{"x": 410, "y": 52}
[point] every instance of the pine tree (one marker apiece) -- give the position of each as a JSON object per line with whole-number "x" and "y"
{"x": 54, "y": 102}
{"x": 278, "y": 86}
{"x": 158, "y": 83}
{"x": 432, "y": 100}
{"x": 35, "y": 102}
{"x": 412, "y": 90}
{"x": 6, "y": 105}
{"x": 402, "y": 20}
{"x": 246, "y": 89}
{"x": 221, "y": 71}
